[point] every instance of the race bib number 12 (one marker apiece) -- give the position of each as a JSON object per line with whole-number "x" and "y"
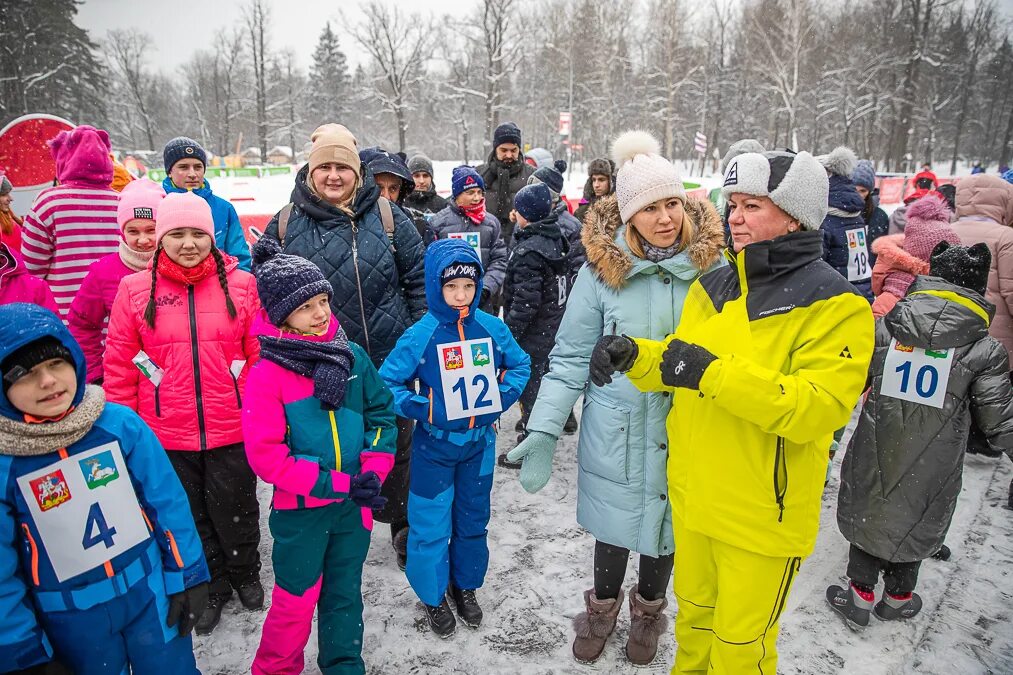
{"x": 917, "y": 375}
{"x": 468, "y": 376}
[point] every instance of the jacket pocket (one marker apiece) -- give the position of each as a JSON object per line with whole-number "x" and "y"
{"x": 780, "y": 477}
{"x": 603, "y": 447}
{"x": 33, "y": 552}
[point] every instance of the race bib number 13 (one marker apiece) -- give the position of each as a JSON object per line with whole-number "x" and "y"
{"x": 468, "y": 376}
{"x": 917, "y": 375}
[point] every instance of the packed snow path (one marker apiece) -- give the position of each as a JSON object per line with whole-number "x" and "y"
{"x": 541, "y": 564}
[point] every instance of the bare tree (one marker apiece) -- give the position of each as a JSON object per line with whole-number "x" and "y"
{"x": 398, "y": 46}
{"x": 127, "y": 50}
{"x": 258, "y": 18}
{"x": 979, "y": 31}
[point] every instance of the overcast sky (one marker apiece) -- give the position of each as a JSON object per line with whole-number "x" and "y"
{"x": 181, "y": 27}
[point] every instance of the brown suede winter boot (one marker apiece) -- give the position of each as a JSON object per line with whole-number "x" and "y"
{"x": 647, "y": 623}
{"x": 594, "y": 626}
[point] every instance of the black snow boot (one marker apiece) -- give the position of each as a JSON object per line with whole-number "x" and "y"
{"x": 943, "y": 553}
{"x": 520, "y": 425}
{"x": 506, "y": 463}
{"x": 898, "y": 609}
{"x": 570, "y": 426}
{"x": 211, "y": 616}
{"x": 467, "y": 606}
{"x": 400, "y": 543}
{"x": 251, "y": 595}
{"x": 850, "y": 605}
{"x": 441, "y": 619}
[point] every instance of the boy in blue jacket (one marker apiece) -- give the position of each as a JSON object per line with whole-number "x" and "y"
{"x": 470, "y": 369}
{"x": 101, "y": 568}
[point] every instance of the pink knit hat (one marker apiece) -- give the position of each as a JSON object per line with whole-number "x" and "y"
{"x": 183, "y": 209}
{"x": 139, "y": 200}
{"x": 928, "y": 223}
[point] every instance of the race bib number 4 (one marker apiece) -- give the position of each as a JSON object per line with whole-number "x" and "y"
{"x": 85, "y": 509}
{"x": 858, "y": 256}
{"x": 468, "y": 377}
{"x": 917, "y": 375}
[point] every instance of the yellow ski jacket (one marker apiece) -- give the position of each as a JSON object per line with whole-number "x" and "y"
{"x": 748, "y": 452}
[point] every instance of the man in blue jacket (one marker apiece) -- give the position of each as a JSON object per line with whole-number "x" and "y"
{"x": 101, "y": 568}
{"x": 185, "y": 163}
{"x": 470, "y": 370}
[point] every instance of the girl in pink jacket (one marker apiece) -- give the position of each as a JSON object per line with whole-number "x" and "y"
{"x": 319, "y": 426}
{"x": 89, "y": 312}
{"x": 17, "y": 285}
{"x": 178, "y": 351}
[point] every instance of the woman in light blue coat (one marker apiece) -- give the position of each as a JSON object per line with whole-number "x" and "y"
{"x": 645, "y": 246}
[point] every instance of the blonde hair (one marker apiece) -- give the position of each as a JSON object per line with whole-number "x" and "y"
{"x": 346, "y": 206}
{"x": 636, "y": 241}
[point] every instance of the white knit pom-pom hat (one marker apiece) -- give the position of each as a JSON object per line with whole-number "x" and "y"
{"x": 643, "y": 176}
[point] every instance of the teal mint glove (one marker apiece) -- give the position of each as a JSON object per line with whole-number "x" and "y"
{"x": 535, "y": 453}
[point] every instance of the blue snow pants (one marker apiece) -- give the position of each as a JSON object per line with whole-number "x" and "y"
{"x": 448, "y": 511}
{"x": 123, "y": 634}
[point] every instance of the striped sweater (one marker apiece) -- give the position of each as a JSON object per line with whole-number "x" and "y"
{"x": 68, "y": 228}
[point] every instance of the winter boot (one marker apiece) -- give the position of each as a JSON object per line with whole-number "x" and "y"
{"x": 251, "y": 595}
{"x": 594, "y": 626}
{"x": 894, "y": 608}
{"x": 441, "y": 619}
{"x": 467, "y": 606}
{"x": 520, "y": 425}
{"x": 506, "y": 463}
{"x": 400, "y": 543}
{"x": 570, "y": 426}
{"x": 852, "y": 604}
{"x": 211, "y": 616}
{"x": 943, "y": 553}
{"x": 647, "y": 623}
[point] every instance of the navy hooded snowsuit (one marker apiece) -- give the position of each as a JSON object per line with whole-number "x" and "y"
{"x": 845, "y": 238}
{"x": 453, "y": 452}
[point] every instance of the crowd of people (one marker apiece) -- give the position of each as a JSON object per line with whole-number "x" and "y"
{"x": 358, "y": 356}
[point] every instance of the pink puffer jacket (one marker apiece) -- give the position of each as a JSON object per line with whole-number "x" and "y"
{"x": 91, "y": 308}
{"x": 205, "y": 356}
{"x": 17, "y": 285}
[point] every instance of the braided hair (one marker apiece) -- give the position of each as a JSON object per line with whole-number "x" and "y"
{"x": 149, "y": 310}
{"x": 223, "y": 280}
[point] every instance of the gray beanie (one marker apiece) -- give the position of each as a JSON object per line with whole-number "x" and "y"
{"x": 419, "y": 163}
{"x": 797, "y": 183}
{"x": 738, "y": 148}
{"x": 864, "y": 175}
{"x": 5, "y": 186}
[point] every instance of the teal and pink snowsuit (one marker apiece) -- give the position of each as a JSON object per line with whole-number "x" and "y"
{"x": 320, "y": 537}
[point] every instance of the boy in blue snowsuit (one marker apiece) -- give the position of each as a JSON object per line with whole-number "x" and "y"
{"x": 101, "y": 568}
{"x": 470, "y": 370}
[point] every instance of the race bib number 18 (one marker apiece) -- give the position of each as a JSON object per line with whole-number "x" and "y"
{"x": 468, "y": 376}
{"x": 917, "y": 375}
{"x": 858, "y": 256}
{"x": 85, "y": 509}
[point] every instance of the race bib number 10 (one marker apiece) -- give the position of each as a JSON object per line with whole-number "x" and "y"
{"x": 858, "y": 256}
{"x": 85, "y": 509}
{"x": 469, "y": 380}
{"x": 917, "y": 375}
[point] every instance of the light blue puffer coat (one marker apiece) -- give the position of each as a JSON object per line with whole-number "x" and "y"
{"x": 622, "y": 452}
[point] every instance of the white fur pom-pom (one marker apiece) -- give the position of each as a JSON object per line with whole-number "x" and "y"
{"x": 841, "y": 161}
{"x": 632, "y": 143}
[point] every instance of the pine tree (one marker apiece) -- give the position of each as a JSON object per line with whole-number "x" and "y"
{"x": 328, "y": 82}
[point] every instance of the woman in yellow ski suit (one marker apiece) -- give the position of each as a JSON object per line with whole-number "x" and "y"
{"x": 769, "y": 359}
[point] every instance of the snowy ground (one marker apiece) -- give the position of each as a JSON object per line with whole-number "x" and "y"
{"x": 541, "y": 563}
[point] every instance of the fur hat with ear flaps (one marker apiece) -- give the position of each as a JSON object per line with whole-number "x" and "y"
{"x": 643, "y": 176}
{"x": 797, "y": 183}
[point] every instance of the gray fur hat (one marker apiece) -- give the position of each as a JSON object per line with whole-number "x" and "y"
{"x": 797, "y": 183}
{"x": 738, "y": 148}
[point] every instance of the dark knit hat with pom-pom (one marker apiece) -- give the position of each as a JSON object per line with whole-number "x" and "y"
{"x": 962, "y": 266}
{"x": 551, "y": 176}
{"x": 284, "y": 282}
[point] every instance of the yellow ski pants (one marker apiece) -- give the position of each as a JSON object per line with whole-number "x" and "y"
{"x": 730, "y": 602}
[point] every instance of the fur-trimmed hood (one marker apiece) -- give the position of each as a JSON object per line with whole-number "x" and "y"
{"x": 609, "y": 256}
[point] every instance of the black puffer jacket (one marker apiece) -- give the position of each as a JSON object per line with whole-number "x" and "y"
{"x": 844, "y": 217}
{"x": 379, "y": 289}
{"x": 536, "y": 286}
{"x": 426, "y": 202}
{"x": 902, "y": 472}
{"x": 502, "y": 182}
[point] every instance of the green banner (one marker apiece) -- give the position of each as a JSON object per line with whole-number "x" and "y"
{"x": 157, "y": 175}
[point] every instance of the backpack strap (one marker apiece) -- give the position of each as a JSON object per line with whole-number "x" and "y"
{"x": 387, "y": 216}
{"x": 283, "y": 216}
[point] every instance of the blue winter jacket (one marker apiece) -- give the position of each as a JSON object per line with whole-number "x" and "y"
{"x": 417, "y": 352}
{"x": 840, "y": 250}
{"x": 229, "y": 235}
{"x": 622, "y": 452}
{"x": 28, "y": 578}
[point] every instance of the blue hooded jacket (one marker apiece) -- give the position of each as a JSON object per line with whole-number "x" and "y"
{"x": 846, "y": 214}
{"x": 229, "y": 235}
{"x": 28, "y": 577}
{"x": 416, "y": 353}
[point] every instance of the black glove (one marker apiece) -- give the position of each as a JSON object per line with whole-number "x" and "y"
{"x": 53, "y": 667}
{"x": 611, "y": 353}
{"x": 364, "y": 490}
{"x": 683, "y": 364}
{"x": 186, "y": 607}
{"x": 484, "y": 298}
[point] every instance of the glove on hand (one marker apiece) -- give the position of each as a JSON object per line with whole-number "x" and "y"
{"x": 364, "y": 490}
{"x": 535, "y": 452}
{"x": 683, "y": 364}
{"x": 186, "y": 607}
{"x": 611, "y": 353}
